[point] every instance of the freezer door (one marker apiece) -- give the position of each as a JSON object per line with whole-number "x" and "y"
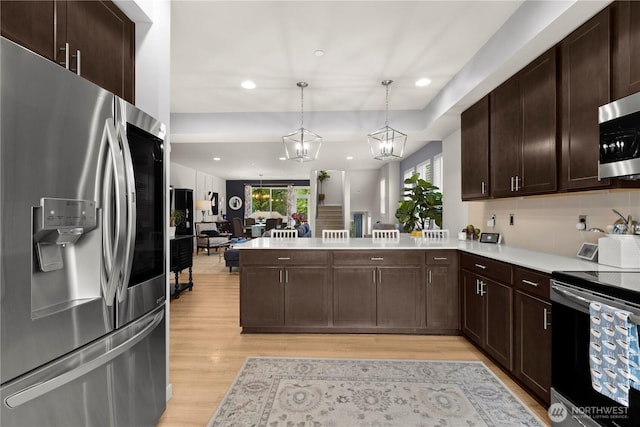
{"x": 116, "y": 381}
{"x": 54, "y": 125}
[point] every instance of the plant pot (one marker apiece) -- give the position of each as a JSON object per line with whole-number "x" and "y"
{"x": 172, "y": 232}
{"x": 321, "y": 197}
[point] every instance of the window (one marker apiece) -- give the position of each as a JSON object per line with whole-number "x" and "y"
{"x": 407, "y": 174}
{"x": 302, "y": 200}
{"x": 424, "y": 169}
{"x": 437, "y": 172}
{"x": 383, "y": 196}
{"x": 269, "y": 199}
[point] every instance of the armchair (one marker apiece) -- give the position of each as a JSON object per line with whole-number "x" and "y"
{"x": 207, "y": 236}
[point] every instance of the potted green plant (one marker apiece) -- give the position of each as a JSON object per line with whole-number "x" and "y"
{"x": 422, "y": 202}
{"x": 176, "y": 219}
{"x": 322, "y": 175}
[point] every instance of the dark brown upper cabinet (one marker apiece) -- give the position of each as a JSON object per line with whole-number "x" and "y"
{"x": 92, "y": 38}
{"x": 626, "y": 48}
{"x": 524, "y": 131}
{"x": 475, "y": 151}
{"x": 585, "y": 86}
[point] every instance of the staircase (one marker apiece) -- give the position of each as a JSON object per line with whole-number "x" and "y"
{"x": 329, "y": 217}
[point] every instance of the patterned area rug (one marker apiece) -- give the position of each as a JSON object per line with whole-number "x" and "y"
{"x": 276, "y": 392}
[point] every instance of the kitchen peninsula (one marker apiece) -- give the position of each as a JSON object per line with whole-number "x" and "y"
{"x": 409, "y": 286}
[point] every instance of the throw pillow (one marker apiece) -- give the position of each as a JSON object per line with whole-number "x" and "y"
{"x": 211, "y": 233}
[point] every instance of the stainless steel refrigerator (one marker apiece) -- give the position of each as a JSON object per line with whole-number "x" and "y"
{"x": 82, "y": 246}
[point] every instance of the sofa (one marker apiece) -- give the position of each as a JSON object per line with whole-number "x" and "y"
{"x": 208, "y": 236}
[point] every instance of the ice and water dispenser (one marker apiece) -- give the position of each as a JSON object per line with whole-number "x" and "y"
{"x": 66, "y": 261}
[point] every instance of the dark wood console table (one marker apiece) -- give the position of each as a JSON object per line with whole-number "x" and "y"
{"x": 181, "y": 248}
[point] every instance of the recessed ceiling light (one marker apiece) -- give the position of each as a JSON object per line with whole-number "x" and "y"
{"x": 318, "y": 52}
{"x": 349, "y": 157}
{"x": 282, "y": 158}
{"x": 217, "y": 159}
{"x": 248, "y": 84}
{"x": 423, "y": 82}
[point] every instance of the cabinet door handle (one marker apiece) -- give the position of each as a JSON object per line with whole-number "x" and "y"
{"x": 373, "y": 276}
{"x": 78, "y": 61}
{"x": 379, "y": 276}
{"x": 518, "y": 183}
{"x": 440, "y": 258}
{"x": 512, "y": 186}
{"x": 283, "y": 258}
{"x": 373, "y": 258}
{"x": 529, "y": 282}
{"x": 483, "y": 187}
{"x": 477, "y": 287}
{"x": 429, "y": 280}
{"x": 483, "y": 267}
{"x": 286, "y": 276}
{"x": 280, "y": 276}
{"x": 545, "y": 319}
{"x": 65, "y": 49}
{"x": 482, "y": 291}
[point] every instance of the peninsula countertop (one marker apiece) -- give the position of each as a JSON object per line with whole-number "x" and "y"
{"x": 518, "y": 256}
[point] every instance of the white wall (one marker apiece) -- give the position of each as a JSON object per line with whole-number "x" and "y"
{"x": 201, "y": 183}
{"x": 206, "y": 183}
{"x": 390, "y": 172}
{"x": 333, "y": 187}
{"x": 454, "y": 210}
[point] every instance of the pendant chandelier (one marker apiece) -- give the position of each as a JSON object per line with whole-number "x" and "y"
{"x": 302, "y": 145}
{"x": 387, "y": 143}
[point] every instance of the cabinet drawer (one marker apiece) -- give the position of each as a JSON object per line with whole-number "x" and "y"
{"x": 276, "y": 257}
{"x": 399, "y": 257}
{"x": 441, "y": 257}
{"x": 532, "y": 282}
{"x": 487, "y": 267}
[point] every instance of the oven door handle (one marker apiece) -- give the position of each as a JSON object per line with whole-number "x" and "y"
{"x": 584, "y": 303}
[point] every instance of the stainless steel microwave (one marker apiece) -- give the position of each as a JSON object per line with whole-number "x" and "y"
{"x": 620, "y": 138}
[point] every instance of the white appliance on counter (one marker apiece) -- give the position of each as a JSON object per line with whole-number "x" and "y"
{"x": 619, "y": 250}
{"x": 82, "y": 252}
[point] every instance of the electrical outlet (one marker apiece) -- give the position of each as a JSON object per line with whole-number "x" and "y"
{"x": 582, "y": 222}
{"x": 492, "y": 221}
{"x": 511, "y": 219}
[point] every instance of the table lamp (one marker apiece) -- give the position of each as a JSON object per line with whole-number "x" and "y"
{"x": 203, "y": 205}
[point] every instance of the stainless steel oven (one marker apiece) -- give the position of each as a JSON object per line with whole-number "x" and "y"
{"x": 619, "y": 124}
{"x": 574, "y": 402}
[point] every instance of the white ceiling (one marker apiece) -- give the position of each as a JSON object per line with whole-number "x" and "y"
{"x": 215, "y": 45}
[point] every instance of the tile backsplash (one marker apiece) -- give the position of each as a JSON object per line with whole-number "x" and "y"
{"x": 548, "y": 223}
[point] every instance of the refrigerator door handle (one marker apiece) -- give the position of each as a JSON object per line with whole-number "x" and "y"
{"x": 23, "y": 396}
{"x": 130, "y": 197}
{"x": 110, "y": 183}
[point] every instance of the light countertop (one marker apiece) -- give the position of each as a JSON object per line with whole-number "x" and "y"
{"x": 522, "y": 257}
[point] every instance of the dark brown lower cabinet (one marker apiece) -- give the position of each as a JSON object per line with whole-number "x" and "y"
{"x": 306, "y": 296}
{"x": 399, "y": 297}
{"x": 354, "y": 296}
{"x": 261, "y": 297}
{"x": 533, "y": 343}
{"x": 442, "y": 292}
{"x": 377, "y": 297}
{"x": 487, "y": 308}
{"x": 284, "y": 296}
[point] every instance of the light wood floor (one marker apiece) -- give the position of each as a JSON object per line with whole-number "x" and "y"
{"x": 207, "y": 349}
